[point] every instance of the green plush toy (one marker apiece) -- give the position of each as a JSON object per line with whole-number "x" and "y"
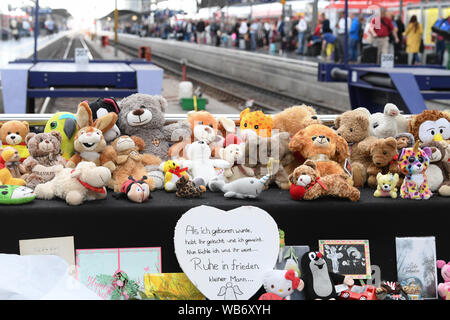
{"x": 66, "y": 124}
{"x": 10, "y": 194}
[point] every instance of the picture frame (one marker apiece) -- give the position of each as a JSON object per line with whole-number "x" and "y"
{"x": 347, "y": 257}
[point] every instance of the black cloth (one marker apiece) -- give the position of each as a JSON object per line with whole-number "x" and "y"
{"x": 115, "y": 223}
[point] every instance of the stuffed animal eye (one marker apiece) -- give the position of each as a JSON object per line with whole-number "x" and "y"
{"x": 289, "y": 289}
{"x": 211, "y": 126}
{"x": 351, "y": 129}
{"x": 432, "y": 132}
{"x": 9, "y": 132}
{"x": 256, "y": 127}
{"x": 314, "y": 117}
{"x": 420, "y": 159}
{"x": 328, "y": 139}
{"x": 441, "y": 131}
{"x": 314, "y": 138}
{"x": 411, "y": 159}
{"x": 375, "y": 125}
{"x": 17, "y": 133}
{"x": 53, "y": 125}
{"x": 312, "y": 256}
{"x": 384, "y": 152}
{"x": 272, "y": 286}
{"x": 142, "y": 107}
{"x": 245, "y": 125}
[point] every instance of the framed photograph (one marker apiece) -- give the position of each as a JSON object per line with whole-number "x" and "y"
{"x": 416, "y": 265}
{"x": 347, "y": 257}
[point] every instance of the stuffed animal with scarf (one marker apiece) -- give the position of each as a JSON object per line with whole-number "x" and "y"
{"x": 172, "y": 173}
{"x": 413, "y": 162}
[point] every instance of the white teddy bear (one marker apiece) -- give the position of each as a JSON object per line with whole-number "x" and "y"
{"x": 84, "y": 183}
{"x": 389, "y": 123}
{"x": 200, "y": 164}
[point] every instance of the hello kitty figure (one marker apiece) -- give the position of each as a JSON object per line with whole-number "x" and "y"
{"x": 280, "y": 284}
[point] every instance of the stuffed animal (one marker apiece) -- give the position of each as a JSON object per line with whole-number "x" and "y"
{"x": 86, "y": 182}
{"x": 404, "y": 140}
{"x": 15, "y": 167}
{"x": 89, "y": 143}
{"x": 200, "y": 164}
{"x": 243, "y": 188}
{"x": 306, "y": 184}
{"x": 323, "y": 145}
{"x": 10, "y": 194}
{"x": 384, "y": 159}
{"x": 143, "y": 116}
{"x": 294, "y": 119}
{"x": 255, "y": 123}
{"x": 187, "y": 189}
{"x": 130, "y": 163}
{"x": 12, "y": 134}
{"x": 389, "y": 123}
{"x": 387, "y": 185}
{"x": 259, "y": 151}
{"x": 134, "y": 190}
{"x": 354, "y": 127}
{"x": 437, "y": 172}
{"x": 66, "y": 124}
{"x": 280, "y": 284}
{"x": 45, "y": 158}
{"x": 101, "y": 107}
{"x": 235, "y": 154}
{"x": 413, "y": 163}
{"x": 7, "y": 155}
{"x": 173, "y": 172}
{"x": 319, "y": 283}
{"x": 430, "y": 125}
{"x": 444, "y": 288}
{"x": 444, "y": 190}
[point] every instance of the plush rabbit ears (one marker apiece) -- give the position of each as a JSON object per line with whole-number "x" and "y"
{"x": 84, "y": 118}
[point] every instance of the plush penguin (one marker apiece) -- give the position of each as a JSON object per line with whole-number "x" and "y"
{"x": 319, "y": 283}
{"x": 102, "y": 107}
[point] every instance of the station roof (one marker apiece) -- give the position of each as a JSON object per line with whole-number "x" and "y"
{"x": 123, "y": 14}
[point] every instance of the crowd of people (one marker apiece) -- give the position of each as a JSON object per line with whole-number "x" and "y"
{"x": 24, "y": 27}
{"x": 385, "y": 32}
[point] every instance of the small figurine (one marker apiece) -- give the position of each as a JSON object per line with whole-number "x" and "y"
{"x": 280, "y": 284}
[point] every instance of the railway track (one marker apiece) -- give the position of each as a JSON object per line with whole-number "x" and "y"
{"x": 231, "y": 90}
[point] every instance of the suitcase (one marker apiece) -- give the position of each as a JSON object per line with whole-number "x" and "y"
{"x": 433, "y": 58}
{"x": 369, "y": 55}
{"x": 401, "y": 58}
{"x": 241, "y": 44}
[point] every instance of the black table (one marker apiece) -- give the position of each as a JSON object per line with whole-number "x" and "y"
{"x": 115, "y": 223}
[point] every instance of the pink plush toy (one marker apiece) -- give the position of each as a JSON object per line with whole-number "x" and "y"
{"x": 444, "y": 288}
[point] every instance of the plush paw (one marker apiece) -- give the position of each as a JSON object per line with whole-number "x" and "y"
{"x": 158, "y": 178}
{"x": 74, "y": 198}
{"x": 44, "y": 191}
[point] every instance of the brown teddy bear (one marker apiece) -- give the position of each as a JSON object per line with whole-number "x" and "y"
{"x": 354, "y": 127}
{"x": 294, "y": 119}
{"x": 12, "y": 134}
{"x": 437, "y": 172}
{"x": 45, "y": 158}
{"x": 307, "y": 184}
{"x": 322, "y": 144}
{"x": 384, "y": 160}
{"x": 129, "y": 162}
{"x": 259, "y": 151}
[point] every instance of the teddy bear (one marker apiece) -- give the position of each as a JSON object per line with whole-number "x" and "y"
{"x": 255, "y": 123}
{"x": 323, "y": 145}
{"x": 444, "y": 288}
{"x": 8, "y": 154}
{"x": 389, "y": 123}
{"x": 13, "y": 164}
{"x": 66, "y": 124}
{"x": 142, "y": 115}
{"x": 12, "y": 134}
{"x": 413, "y": 163}
{"x": 430, "y": 125}
{"x": 280, "y": 284}
{"x": 438, "y": 176}
{"x": 235, "y": 154}
{"x": 260, "y": 150}
{"x": 187, "y": 189}
{"x": 86, "y": 182}
{"x": 387, "y": 185}
{"x": 45, "y": 157}
{"x": 89, "y": 143}
{"x": 130, "y": 163}
{"x": 294, "y": 119}
{"x": 172, "y": 173}
{"x": 307, "y": 184}
{"x": 201, "y": 167}
{"x": 354, "y": 127}
{"x": 384, "y": 159}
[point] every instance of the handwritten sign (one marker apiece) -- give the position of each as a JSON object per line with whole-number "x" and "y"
{"x": 387, "y": 60}
{"x": 225, "y": 254}
{"x": 62, "y": 247}
{"x": 81, "y": 56}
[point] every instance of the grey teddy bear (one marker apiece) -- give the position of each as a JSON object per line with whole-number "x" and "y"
{"x": 142, "y": 115}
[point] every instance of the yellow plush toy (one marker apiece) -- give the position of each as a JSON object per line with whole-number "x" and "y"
{"x": 172, "y": 173}
{"x": 255, "y": 122}
{"x": 5, "y": 175}
{"x": 386, "y": 185}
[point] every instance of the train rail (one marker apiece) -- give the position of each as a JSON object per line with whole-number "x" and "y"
{"x": 229, "y": 89}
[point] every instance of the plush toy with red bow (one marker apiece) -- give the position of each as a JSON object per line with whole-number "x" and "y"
{"x": 134, "y": 190}
{"x": 306, "y": 184}
{"x": 384, "y": 155}
{"x": 172, "y": 173}
{"x": 280, "y": 284}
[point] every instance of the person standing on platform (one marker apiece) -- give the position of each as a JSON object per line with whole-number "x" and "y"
{"x": 398, "y": 47}
{"x": 267, "y": 29}
{"x": 188, "y": 31}
{"x": 382, "y": 28}
{"x": 340, "y": 45}
{"x": 243, "y": 30}
{"x": 200, "y": 29}
{"x": 413, "y": 34}
{"x": 49, "y": 26}
{"x": 325, "y": 24}
{"x": 301, "y": 27}
{"x": 254, "y": 28}
{"x": 14, "y": 29}
{"x": 354, "y": 35}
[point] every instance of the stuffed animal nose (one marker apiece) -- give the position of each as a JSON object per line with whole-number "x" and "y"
{"x": 138, "y": 112}
{"x": 280, "y": 290}
{"x": 322, "y": 137}
{"x": 13, "y": 137}
{"x": 46, "y": 141}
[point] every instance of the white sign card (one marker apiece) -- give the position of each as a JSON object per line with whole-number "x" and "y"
{"x": 81, "y": 56}
{"x": 387, "y": 60}
{"x": 225, "y": 254}
{"x": 62, "y": 247}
